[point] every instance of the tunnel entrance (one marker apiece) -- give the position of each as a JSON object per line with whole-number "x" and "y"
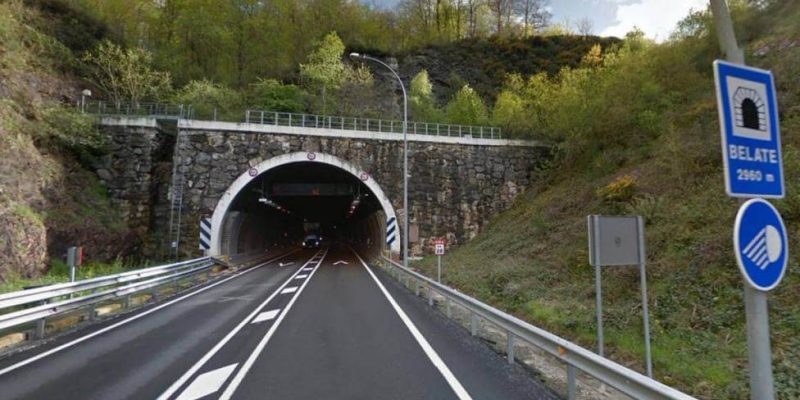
{"x": 279, "y": 202}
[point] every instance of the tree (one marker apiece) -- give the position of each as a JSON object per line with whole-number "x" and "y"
{"x": 421, "y": 102}
{"x": 466, "y": 108}
{"x": 210, "y": 100}
{"x": 126, "y": 74}
{"x": 585, "y": 26}
{"x": 534, "y": 15}
{"x": 325, "y": 69}
{"x": 502, "y": 10}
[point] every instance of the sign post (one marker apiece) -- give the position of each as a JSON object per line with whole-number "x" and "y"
{"x": 74, "y": 259}
{"x": 619, "y": 240}
{"x": 438, "y": 245}
{"x": 751, "y": 148}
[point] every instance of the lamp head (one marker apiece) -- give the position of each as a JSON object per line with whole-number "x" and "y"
{"x": 86, "y": 92}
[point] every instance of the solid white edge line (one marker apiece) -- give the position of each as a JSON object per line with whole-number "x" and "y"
{"x": 131, "y": 319}
{"x": 199, "y": 364}
{"x": 426, "y": 347}
{"x": 239, "y": 377}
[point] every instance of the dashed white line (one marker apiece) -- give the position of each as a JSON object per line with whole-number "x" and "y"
{"x": 237, "y": 379}
{"x": 307, "y": 269}
{"x": 199, "y": 364}
{"x": 266, "y": 316}
{"x": 426, "y": 347}
{"x": 289, "y": 290}
{"x": 304, "y": 276}
{"x": 207, "y": 383}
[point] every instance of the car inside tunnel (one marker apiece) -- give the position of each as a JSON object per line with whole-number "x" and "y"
{"x": 284, "y": 205}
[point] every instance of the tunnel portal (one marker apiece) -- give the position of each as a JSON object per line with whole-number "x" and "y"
{"x": 279, "y": 202}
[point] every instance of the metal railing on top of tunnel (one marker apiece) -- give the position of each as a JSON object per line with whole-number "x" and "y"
{"x": 369, "y": 124}
{"x": 277, "y": 118}
{"x": 575, "y": 357}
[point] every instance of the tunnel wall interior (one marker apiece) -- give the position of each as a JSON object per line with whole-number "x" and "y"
{"x": 284, "y": 206}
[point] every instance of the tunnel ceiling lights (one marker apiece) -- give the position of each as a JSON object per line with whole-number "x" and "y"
{"x": 273, "y": 205}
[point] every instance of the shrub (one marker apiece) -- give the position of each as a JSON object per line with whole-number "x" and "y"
{"x": 466, "y": 108}
{"x": 209, "y": 100}
{"x": 621, "y": 189}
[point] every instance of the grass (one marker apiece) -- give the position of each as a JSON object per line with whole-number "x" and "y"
{"x": 59, "y": 273}
{"x": 532, "y": 260}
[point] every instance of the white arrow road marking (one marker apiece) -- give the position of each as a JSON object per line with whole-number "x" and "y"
{"x": 266, "y": 316}
{"x": 207, "y": 383}
{"x": 289, "y": 290}
{"x": 287, "y": 264}
{"x": 340, "y": 262}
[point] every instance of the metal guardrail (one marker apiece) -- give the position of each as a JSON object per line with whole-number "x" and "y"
{"x": 159, "y": 110}
{"x": 577, "y": 358}
{"x": 52, "y": 300}
{"x": 369, "y": 125}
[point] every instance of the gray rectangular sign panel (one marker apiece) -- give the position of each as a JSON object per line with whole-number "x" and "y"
{"x": 614, "y": 240}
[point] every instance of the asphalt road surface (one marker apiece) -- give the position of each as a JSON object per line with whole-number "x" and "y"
{"x": 315, "y": 324}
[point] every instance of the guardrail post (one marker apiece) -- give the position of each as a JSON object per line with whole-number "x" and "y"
{"x": 510, "y": 347}
{"x": 126, "y": 301}
{"x": 416, "y": 287}
{"x": 91, "y": 307}
{"x": 447, "y": 307}
{"x": 303, "y": 121}
{"x": 154, "y": 295}
{"x": 572, "y": 392}
{"x": 290, "y": 119}
{"x": 473, "y": 324}
{"x": 430, "y": 296}
{"x": 379, "y": 126}
{"x": 41, "y": 323}
{"x": 247, "y": 116}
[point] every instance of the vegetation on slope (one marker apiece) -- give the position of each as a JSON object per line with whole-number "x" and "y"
{"x": 49, "y": 198}
{"x": 637, "y": 133}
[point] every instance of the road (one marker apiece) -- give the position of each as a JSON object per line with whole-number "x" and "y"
{"x": 314, "y": 324}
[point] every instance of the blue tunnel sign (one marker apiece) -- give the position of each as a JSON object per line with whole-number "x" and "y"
{"x": 751, "y": 144}
{"x": 760, "y": 243}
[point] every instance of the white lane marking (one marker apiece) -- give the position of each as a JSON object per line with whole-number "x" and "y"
{"x": 266, "y": 316}
{"x": 208, "y": 383}
{"x": 340, "y": 262}
{"x": 289, "y": 290}
{"x": 199, "y": 364}
{"x": 237, "y": 379}
{"x": 426, "y": 347}
{"x": 301, "y": 276}
{"x": 134, "y": 318}
{"x": 287, "y": 264}
{"x": 307, "y": 269}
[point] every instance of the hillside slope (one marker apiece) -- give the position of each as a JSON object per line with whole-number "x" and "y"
{"x": 532, "y": 260}
{"x": 49, "y": 196}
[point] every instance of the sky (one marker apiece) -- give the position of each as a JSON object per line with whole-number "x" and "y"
{"x": 657, "y": 18}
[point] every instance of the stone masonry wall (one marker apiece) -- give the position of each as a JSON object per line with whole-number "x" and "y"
{"x": 454, "y": 189}
{"x": 132, "y": 172}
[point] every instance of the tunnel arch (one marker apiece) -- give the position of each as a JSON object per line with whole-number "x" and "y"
{"x": 228, "y": 197}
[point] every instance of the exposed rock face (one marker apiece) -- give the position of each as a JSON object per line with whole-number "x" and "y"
{"x": 454, "y": 189}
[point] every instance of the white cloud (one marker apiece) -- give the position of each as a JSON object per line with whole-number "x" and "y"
{"x": 657, "y": 18}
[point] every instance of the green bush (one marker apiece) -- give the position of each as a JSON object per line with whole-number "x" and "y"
{"x": 210, "y": 100}
{"x": 270, "y": 94}
{"x": 466, "y": 108}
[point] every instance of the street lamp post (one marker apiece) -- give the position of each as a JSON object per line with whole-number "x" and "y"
{"x": 405, "y": 151}
{"x": 84, "y": 94}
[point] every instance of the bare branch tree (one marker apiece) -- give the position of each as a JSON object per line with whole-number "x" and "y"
{"x": 585, "y": 26}
{"x": 534, "y": 15}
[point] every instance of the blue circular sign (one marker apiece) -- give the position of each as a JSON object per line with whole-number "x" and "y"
{"x": 759, "y": 240}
